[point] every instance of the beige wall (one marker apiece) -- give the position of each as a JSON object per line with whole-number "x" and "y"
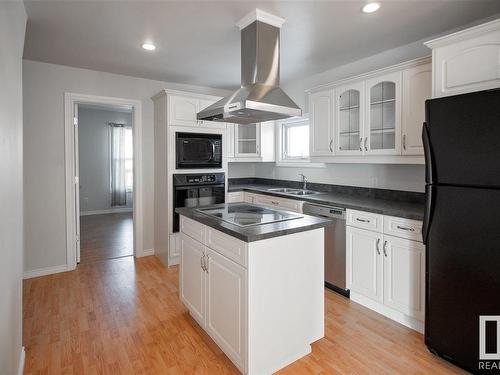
{"x": 44, "y": 88}
{"x": 12, "y": 28}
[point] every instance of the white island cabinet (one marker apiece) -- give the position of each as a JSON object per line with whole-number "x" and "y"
{"x": 261, "y": 301}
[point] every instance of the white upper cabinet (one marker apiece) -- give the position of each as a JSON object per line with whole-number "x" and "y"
{"x": 466, "y": 61}
{"x": 383, "y": 115}
{"x": 417, "y": 88}
{"x": 182, "y": 111}
{"x": 253, "y": 142}
{"x": 321, "y": 125}
{"x": 229, "y": 143}
{"x": 349, "y": 117}
{"x": 247, "y": 140}
{"x": 210, "y": 124}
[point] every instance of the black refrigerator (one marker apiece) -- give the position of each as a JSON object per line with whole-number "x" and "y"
{"x": 461, "y": 228}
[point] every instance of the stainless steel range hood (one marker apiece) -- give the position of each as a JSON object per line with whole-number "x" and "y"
{"x": 260, "y": 98}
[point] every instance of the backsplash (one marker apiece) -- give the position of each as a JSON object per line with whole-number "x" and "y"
{"x": 393, "y": 195}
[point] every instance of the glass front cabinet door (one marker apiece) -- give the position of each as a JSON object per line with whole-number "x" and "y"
{"x": 383, "y": 115}
{"x": 350, "y": 110}
{"x": 247, "y": 139}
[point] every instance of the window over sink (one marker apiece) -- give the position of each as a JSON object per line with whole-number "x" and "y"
{"x": 295, "y": 139}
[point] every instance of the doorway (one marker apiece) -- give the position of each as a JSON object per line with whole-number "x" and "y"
{"x": 103, "y": 184}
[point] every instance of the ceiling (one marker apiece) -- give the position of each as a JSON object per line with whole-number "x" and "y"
{"x": 198, "y": 42}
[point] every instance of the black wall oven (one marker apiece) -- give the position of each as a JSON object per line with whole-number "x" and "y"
{"x": 193, "y": 190}
{"x": 198, "y": 150}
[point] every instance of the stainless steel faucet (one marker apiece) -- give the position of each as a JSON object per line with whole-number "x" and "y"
{"x": 304, "y": 181}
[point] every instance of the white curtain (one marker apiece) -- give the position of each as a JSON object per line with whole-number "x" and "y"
{"x": 117, "y": 178}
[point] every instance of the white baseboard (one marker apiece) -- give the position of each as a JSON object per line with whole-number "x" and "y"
{"x": 45, "y": 271}
{"x": 22, "y": 358}
{"x": 408, "y": 321}
{"x": 107, "y": 211}
{"x": 148, "y": 252}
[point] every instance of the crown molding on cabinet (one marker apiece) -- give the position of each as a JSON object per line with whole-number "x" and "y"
{"x": 471, "y": 32}
{"x": 371, "y": 74}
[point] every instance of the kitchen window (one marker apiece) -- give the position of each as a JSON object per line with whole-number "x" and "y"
{"x": 295, "y": 139}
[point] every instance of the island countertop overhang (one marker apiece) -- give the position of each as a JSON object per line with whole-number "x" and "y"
{"x": 255, "y": 232}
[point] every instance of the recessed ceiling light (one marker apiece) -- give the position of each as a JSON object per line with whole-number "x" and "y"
{"x": 148, "y": 46}
{"x": 370, "y": 7}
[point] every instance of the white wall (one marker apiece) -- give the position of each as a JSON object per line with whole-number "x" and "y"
{"x": 12, "y": 29}
{"x": 395, "y": 177}
{"x": 93, "y": 147}
{"x": 399, "y": 177}
{"x": 44, "y": 88}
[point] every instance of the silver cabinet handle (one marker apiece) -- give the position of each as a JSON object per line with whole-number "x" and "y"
{"x": 378, "y": 246}
{"x": 331, "y": 145}
{"x": 274, "y": 202}
{"x": 202, "y": 262}
{"x": 366, "y": 139}
{"x": 207, "y": 260}
{"x": 362, "y": 220}
{"x": 405, "y": 228}
{"x": 404, "y": 142}
{"x": 385, "y": 244}
{"x": 360, "y": 144}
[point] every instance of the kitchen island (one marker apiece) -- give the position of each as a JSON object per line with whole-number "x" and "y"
{"x": 253, "y": 278}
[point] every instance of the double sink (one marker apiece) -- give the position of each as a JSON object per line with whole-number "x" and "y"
{"x": 297, "y": 192}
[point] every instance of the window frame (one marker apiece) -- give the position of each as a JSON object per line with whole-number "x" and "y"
{"x": 283, "y": 161}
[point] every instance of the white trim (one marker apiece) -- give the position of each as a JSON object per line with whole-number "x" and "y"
{"x": 70, "y": 99}
{"x": 45, "y": 271}
{"x": 388, "y": 312}
{"x": 372, "y": 159}
{"x": 22, "y": 358}
{"x": 470, "y": 32}
{"x": 189, "y": 94}
{"x": 107, "y": 211}
{"x": 148, "y": 252}
{"x": 260, "y": 15}
{"x": 371, "y": 74}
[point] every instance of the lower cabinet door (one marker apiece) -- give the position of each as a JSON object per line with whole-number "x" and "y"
{"x": 226, "y": 306}
{"x": 404, "y": 276}
{"x": 364, "y": 262}
{"x": 192, "y": 276}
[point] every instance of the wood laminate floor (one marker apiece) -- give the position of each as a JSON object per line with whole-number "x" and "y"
{"x": 106, "y": 236}
{"x": 123, "y": 316}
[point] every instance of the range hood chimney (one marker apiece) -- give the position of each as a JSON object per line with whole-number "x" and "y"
{"x": 260, "y": 98}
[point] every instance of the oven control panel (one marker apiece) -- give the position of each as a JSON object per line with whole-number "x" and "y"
{"x": 197, "y": 179}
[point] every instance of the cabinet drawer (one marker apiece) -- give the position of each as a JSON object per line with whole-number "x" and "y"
{"x": 286, "y": 204}
{"x": 226, "y": 245}
{"x": 235, "y": 196}
{"x": 365, "y": 220}
{"x": 192, "y": 228}
{"x": 404, "y": 228}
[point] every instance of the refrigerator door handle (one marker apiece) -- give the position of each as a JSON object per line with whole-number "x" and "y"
{"x": 429, "y": 172}
{"x": 429, "y": 203}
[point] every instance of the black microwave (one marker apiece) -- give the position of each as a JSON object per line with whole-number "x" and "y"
{"x": 197, "y": 150}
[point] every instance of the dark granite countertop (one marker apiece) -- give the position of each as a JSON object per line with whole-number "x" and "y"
{"x": 409, "y": 210}
{"x": 255, "y": 232}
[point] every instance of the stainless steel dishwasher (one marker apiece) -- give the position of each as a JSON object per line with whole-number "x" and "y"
{"x": 335, "y": 245}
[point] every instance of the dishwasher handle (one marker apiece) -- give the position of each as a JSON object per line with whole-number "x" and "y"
{"x": 328, "y": 212}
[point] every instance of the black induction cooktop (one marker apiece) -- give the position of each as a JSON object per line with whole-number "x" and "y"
{"x": 245, "y": 215}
